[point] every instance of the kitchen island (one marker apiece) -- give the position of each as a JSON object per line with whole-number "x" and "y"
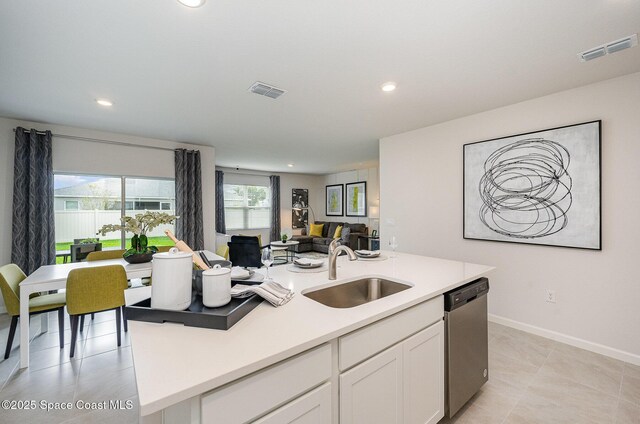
{"x": 296, "y": 354}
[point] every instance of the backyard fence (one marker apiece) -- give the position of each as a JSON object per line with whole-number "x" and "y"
{"x": 85, "y": 224}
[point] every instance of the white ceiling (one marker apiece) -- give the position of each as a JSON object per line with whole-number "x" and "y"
{"x": 183, "y": 74}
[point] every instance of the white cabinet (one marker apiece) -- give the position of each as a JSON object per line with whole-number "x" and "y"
{"x": 403, "y": 384}
{"x": 312, "y": 408}
{"x": 251, "y": 397}
{"x": 423, "y": 376}
{"x": 371, "y": 392}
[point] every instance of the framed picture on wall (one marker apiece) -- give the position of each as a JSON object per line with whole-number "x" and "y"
{"x": 539, "y": 188}
{"x": 334, "y": 200}
{"x": 300, "y": 198}
{"x": 356, "y": 199}
{"x": 299, "y": 218}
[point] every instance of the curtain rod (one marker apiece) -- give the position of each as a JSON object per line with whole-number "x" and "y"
{"x": 99, "y": 140}
{"x": 241, "y": 172}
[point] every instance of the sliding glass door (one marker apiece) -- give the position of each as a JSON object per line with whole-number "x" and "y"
{"x": 84, "y": 203}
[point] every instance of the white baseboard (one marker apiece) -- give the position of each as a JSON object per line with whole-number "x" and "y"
{"x": 570, "y": 340}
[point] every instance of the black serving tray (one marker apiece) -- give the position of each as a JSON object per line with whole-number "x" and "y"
{"x": 198, "y": 315}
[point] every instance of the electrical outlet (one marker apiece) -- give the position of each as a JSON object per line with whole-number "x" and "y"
{"x": 550, "y": 295}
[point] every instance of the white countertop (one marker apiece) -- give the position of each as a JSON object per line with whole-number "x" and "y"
{"x": 174, "y": 363}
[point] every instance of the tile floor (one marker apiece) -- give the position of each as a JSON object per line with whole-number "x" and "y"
{"x": 99, "y": 371}
{"x": 532, "y": 379}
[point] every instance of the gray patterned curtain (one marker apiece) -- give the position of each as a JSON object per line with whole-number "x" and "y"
{"x": 189, "y": 198}
{"x": 275, "y": 207}
{"x": 33, "y": 227}
{"x": 220, "y": 223}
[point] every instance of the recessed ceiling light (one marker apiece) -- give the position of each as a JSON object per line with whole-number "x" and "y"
{"x": 290, "y": 165}
{"x": 191, "y": 3}
{"x": 388, "y": 86}
{"x": 104, "y": 102}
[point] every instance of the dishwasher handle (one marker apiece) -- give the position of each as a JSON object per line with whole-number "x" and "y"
{"x": 468, "y": 293}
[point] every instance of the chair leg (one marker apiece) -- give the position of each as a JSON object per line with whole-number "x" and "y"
{"x": 74, "y": 333}
{"x": 118, "y": 325}
{"x": 124, "y": 319}
{"x": 81, "y": 323}
{"x": 61, "y": 326}
{"x": 12, "y": 333}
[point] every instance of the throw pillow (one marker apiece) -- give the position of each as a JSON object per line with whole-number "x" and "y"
{"x": 338, "y": 232}
{"x": 316, "y": 230}
{"x": 344, "y": 238}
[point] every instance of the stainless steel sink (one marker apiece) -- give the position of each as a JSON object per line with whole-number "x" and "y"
{"x": 354, "y": 293}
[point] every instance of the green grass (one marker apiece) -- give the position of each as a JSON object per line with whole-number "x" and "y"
{"x": 115, "y": 243}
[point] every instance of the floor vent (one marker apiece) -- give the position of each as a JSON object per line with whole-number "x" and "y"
{"x": 266, "y": 90}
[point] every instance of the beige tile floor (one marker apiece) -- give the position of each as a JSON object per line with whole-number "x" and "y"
{"x": 532, "y": 380}
{"x": 99, "y": 371}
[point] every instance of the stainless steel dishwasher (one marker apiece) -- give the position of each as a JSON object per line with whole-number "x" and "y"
{"x": 467, "y": 344}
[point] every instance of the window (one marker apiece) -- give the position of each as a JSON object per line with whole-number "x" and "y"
{"x": 84, "y": 203}
{"x": 146, "y": 194}
{"x": 147, "y": 206}
{"x": 71, "y": 205}
{"x": 247, "y": 207}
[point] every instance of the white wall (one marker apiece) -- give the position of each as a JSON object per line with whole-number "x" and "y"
{"x": 598, "y": 293}
{"x": 288, "y": 181}
{"x": 370, "y": 175}
{"x": 75, "y": 156}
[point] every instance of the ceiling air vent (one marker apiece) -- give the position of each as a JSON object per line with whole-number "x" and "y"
{"x": 593, "y": 54}
{"x": 622, "y": 44}
{"x": 266, "y": 90}
{"x": 608, "y": 48}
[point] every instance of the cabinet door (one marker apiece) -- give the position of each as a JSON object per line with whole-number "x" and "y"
{"x": 312, "y": 408}
{"x": 423, "y": 380}
{"x": 371, "y": 393}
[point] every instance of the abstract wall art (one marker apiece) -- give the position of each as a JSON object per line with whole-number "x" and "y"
{"x": 356, "y": 199}
{"x": 300, "y": 197}
{"x": 539, "y": 188}
{"x": 334, "y": 198}
{"x": 299, "y": 218}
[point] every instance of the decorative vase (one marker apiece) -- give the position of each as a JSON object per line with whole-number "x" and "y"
{"x": 139, "y": 258}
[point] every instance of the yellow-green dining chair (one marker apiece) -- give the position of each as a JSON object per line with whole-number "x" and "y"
{"x": 104, "y": 255}
{"x": 223, "y": 251}
{"x": 101, "y": 255}
{"x": 162, "y": 249}
{"x": 95, "y": 289}
{"x": 10, "y": 278}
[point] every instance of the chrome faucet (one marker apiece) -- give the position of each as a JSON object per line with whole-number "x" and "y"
{"x": 334, "y": 251}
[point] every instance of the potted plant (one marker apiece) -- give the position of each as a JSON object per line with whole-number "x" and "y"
{"x": 140, "y": 225}
{"x": 284, "y": 238}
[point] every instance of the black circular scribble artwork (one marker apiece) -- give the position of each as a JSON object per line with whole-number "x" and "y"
{"x": 526, "y": 189}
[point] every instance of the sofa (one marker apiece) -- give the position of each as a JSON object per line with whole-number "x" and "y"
{"x": 321, "y": 244}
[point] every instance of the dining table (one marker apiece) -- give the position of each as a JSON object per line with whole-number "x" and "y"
{"x": 54, "y": 277}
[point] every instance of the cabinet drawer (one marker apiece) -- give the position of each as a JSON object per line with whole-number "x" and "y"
{"x": 311, "y": 408}
{"x": 361, "y": 344}
{"x": 243, "y": 401}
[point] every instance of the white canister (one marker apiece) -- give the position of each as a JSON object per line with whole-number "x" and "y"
{"x": 216, "y": 286}
{"x": 171, "y": 280}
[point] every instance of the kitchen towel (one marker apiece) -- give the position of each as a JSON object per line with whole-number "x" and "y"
{"x": 270, "y": 290}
